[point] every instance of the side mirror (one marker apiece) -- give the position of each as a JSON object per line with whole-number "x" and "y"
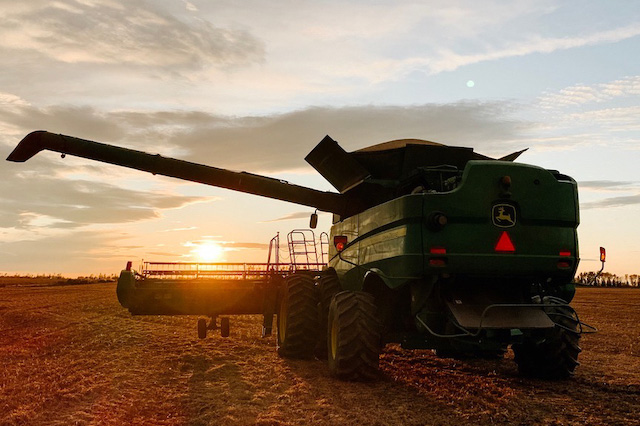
{"x": 313, "y": 221}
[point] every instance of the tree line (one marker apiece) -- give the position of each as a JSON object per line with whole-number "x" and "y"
{"x": 607, "y": 279}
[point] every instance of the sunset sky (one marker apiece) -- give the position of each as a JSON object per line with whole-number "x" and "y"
{"x": 255, "y": 85}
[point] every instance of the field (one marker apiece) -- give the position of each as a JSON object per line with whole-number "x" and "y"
{"x": 71, "y": 355}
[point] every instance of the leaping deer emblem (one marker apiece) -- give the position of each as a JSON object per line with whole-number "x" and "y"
{"x": 504, "y": 217}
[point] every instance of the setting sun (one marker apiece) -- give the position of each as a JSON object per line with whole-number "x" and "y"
{"x": 208, "y": 251}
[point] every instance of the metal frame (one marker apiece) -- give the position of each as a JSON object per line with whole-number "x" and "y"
{"x": 467, "y": 333}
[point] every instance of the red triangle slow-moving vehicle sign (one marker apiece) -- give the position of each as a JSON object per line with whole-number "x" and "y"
{"x": 505, "y": 245}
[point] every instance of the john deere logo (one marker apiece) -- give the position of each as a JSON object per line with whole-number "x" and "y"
{"x": 504, "y": 215}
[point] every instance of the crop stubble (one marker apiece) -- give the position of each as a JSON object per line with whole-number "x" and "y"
{"x": 72, "y": 355}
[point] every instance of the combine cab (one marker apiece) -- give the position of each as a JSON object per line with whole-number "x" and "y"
{"x": 431, "y": 247}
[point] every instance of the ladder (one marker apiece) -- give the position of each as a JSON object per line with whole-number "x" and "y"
{"x": 303, "y": 250}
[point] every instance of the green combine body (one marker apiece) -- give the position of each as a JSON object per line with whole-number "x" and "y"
{"x": 403, "y": 239}
{"x": 432, "y": 247}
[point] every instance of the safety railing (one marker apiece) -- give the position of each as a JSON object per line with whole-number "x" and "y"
{"x": 223, "y": 271}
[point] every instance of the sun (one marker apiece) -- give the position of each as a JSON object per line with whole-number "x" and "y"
{"x": 208, "y": 251}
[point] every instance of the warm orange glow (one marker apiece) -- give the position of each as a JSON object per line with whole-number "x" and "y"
{"x": 208, "y": 251}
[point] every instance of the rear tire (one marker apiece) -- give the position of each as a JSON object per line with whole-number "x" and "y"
{"x": 328, "y": 286}
{"x": 553, "y": 353}
{"x": 353, "y": 339}
{"x": 298, "y": 318}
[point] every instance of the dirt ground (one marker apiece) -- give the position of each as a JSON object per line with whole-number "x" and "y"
{"x": 71, "y": 355}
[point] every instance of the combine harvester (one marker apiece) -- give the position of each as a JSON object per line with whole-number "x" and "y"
{"x": 432, "y": 247}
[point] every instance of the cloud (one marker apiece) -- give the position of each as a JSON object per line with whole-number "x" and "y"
{"x": 189, "y": 228}
{"x": 116, "y": 32}
{"x": 225, "y": 244}
{"x": 66, "y": 203}
{"x": 290, "y": 216}
{"x": 278, "y": 142}
{"x": 173, "y": 255}
{"x": 609, "y": 185}
{"x": 621, "y": 119}
{"x": 627, "y": 200}
{"x": 89, "y": 252}
{"x": 245, "y": 246}
{"x": 582, "y": 94}
{"x": 449, "y": 60}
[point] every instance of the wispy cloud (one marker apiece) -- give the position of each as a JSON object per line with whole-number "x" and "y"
{"x": 123, "y": 32}
{"x": 449, "y": 60}
{"x": 607, "y": 185}
{"x": 91, "y": 252}
{"x": 622, "y": 201}
{"x": 189, "y": 228}
{"x": 290, "y": 216}
{"x": 225, "y": 245}
{"x": 582, "y": 94}
{"x": 73, "y": 203}
{"x": 245, "y": 245}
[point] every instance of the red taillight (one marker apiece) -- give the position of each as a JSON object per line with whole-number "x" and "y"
{"x": 563, "y": 265}
{"x": 340, "y": 242}
{"x": 129, "y": 266}
{"x": 504, "y": 244}
{"x": 438, "y": 250}
{"x": 565, "y": 253}
{"x": 437, "y": 262}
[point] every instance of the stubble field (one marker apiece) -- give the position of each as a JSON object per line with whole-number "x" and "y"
{"x": 71, "y": 355}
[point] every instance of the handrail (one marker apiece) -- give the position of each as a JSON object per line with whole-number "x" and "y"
{"x": 227, "y": 270}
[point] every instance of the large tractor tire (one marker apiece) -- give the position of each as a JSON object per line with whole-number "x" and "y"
{"x": 298, "y": 318}
{"x": 328, "y": 286}
{"x": 553, "y": 353}
{"x": 354, "y": 336}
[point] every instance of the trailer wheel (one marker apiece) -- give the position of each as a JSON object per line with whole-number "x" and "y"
{"x": 353, "y": 339}
{"x": 552, "y": 353}
{"x": 328, "y": 285}
{"x": 224, "y": 327}
{"x": 202, "y": 328}
{"x": 298, "y": 318}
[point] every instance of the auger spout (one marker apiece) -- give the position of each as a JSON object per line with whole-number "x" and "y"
{"x": 158, "y": 165}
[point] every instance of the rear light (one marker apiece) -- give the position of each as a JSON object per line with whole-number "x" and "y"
{"x": 505, "y": 245}
{"x": 340, "y": 242}
{"x": 436, "y": 221}
{"x": 563, "y": 265}
{"x": 438, "y": 250}
{"x": 437, "y": 262}
{"x": 565, "y": 253}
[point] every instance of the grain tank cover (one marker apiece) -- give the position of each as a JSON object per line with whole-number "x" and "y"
{"x": 399, "y": 159}
{"x": 389, "y": 161}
